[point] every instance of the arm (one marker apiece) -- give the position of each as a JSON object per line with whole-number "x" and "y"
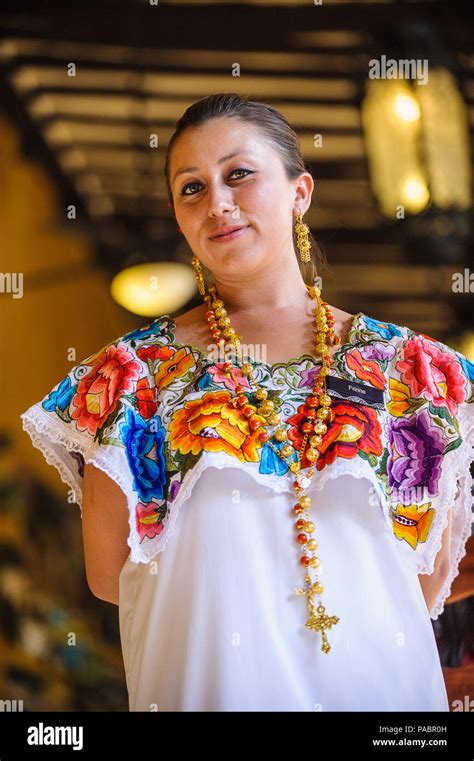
{"x": 105, "y": 532}
{"x": 431, "y": 584}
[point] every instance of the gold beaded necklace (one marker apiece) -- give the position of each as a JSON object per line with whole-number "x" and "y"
{"x": 317, "y": 414}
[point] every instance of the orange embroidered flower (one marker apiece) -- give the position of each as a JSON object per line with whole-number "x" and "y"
{"x": 412, "y": 523}
{"x": 365, "y": 369}
{"x": 212, "y": 424}
{"x": 354, "y": 428}
{"x": 114, "y": 373}
{"x": 174, "y": 365}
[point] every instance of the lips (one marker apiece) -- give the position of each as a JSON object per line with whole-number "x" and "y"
{"x": 227, "y": 229}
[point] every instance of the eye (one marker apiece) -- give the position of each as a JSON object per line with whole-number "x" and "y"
{"x": 190, "y": 184}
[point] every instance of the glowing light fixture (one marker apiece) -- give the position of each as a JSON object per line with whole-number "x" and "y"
{"x": 418, "y": 144}
{"x": 154, "y": 288}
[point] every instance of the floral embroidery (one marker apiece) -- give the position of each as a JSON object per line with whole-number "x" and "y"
{"x": 385, "y": 329}
{"x": 144, "y": 449}
{"x": 411, "y": 523}
{"x": 98, "y": 393}
{"x": 365, "y": 370}
{"x": 355, "y": 429}
{"x": 433, "y": 373}
{"x": 416, "y": 449}
{"x": 212, "y": 424}
{"x": 165, "y": 404}
{"x": 149, "y": 519}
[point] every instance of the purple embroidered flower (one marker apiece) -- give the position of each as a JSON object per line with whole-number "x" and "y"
{"x": 415, "y": 453}
{"x": 174, "y": 489}
{"x": 308, "y": 377}
{"x": 377, "y": 351}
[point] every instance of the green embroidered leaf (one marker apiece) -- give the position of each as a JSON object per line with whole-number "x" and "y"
{"x": 441, "y": 411}
{"x": 64, "y": 415}
{"x": 110, "y": 440}
{"x": 169, "y": 462}
{"x": 453, "y": 445}
{"x": 383, "y": 463}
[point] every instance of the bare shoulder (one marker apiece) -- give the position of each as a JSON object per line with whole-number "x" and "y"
{"x": 191, "y": 317}
{"x": 192, "y": 327}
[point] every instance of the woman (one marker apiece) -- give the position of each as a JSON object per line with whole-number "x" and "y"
{"x": 277, "y": 530}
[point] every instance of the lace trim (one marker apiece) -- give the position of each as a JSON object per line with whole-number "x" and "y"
{"x": 461, "y": 504}
{"x": 56, "y": 440}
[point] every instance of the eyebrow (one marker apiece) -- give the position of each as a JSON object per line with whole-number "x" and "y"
{"x": 196, "y": 169}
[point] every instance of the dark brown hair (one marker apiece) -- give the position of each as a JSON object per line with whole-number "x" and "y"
{"x": 278, "y": 132}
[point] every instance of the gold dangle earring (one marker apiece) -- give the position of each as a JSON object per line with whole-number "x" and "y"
{"x": 302, "y": 239}
{"x": 199, "y": 276}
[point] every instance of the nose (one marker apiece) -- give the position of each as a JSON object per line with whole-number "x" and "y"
{"x": 218, "y": 208}
{"x": 220, "y": 201}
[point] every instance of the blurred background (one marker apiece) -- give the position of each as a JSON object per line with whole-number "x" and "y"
{"x": 89, "y": 96}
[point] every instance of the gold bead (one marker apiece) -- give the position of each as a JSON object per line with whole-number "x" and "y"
{"x": 217, "y": 303}
{"x": 247, "y": 368}
{"x": 314, "y": 562}
{"x": 261, "y": 393}
{"x": 318, "y": 588}
{"x": 323, "y": 413}
{"x": 312, "y": 545}
{"x": 223, "y": 322}
{"x": 325, "y": 400}
{"x": 270, "y": 405}
{"x": 280, "y": 434}
{"x": 315, "y": 441}
{"x": 286, "y": 450}
{"x": 221, "y": 312}
{"x": 274, "y": 419}
{"x": 295, "y": 467}
{"x": 308, "y": 526}
{"x": 229, "y": 333}
{"x": 305, "y": 501}
{"x": 312, "y": 454}
{"x": 320, "y": 427}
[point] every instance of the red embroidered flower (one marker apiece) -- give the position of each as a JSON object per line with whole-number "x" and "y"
{"x": 430, "y": 372}
{"x": 146, "y": 399}
{"x": 97, "y": 394}
{"x": 155, "y": 351}
{"x": 148, "y": 520}
{"x": 365, "y": 369}
{"x": 354, "y": 428}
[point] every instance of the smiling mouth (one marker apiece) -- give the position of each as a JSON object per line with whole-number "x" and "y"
{"x": 229, "y": 236}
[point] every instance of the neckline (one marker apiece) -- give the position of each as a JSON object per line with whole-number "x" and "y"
{"x": 271, "y": 366}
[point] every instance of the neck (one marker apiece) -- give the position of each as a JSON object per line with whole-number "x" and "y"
{"x": 278, "y": 289}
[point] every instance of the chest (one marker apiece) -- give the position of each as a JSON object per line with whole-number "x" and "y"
{"x": 270, "y": 342}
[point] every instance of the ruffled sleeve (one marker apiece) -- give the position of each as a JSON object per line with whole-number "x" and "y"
{"x": 456, "y": 493}
{"x": 103, "y": 412}
{"x": 431, "y": 449}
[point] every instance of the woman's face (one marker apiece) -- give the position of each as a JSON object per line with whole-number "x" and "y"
{"x": 248, "y": 189}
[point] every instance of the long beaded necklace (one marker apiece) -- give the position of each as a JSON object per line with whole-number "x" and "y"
{"x": 317, "y": 415}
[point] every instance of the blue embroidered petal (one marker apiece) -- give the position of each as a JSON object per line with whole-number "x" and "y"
{"x": 467, "y": 366}
{"x": 385, "y": 329}
{"x": 270, "y": 462}
{"x": 144, "y": 451}
{"x": 61, "y": 398}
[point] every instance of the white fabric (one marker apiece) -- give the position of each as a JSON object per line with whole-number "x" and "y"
{"x": 212, "y": 623}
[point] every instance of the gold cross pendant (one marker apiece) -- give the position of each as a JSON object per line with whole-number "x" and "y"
{"x": 319, "y": 622}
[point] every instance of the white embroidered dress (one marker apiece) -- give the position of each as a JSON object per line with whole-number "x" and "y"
{"x": 209, "y": 618}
